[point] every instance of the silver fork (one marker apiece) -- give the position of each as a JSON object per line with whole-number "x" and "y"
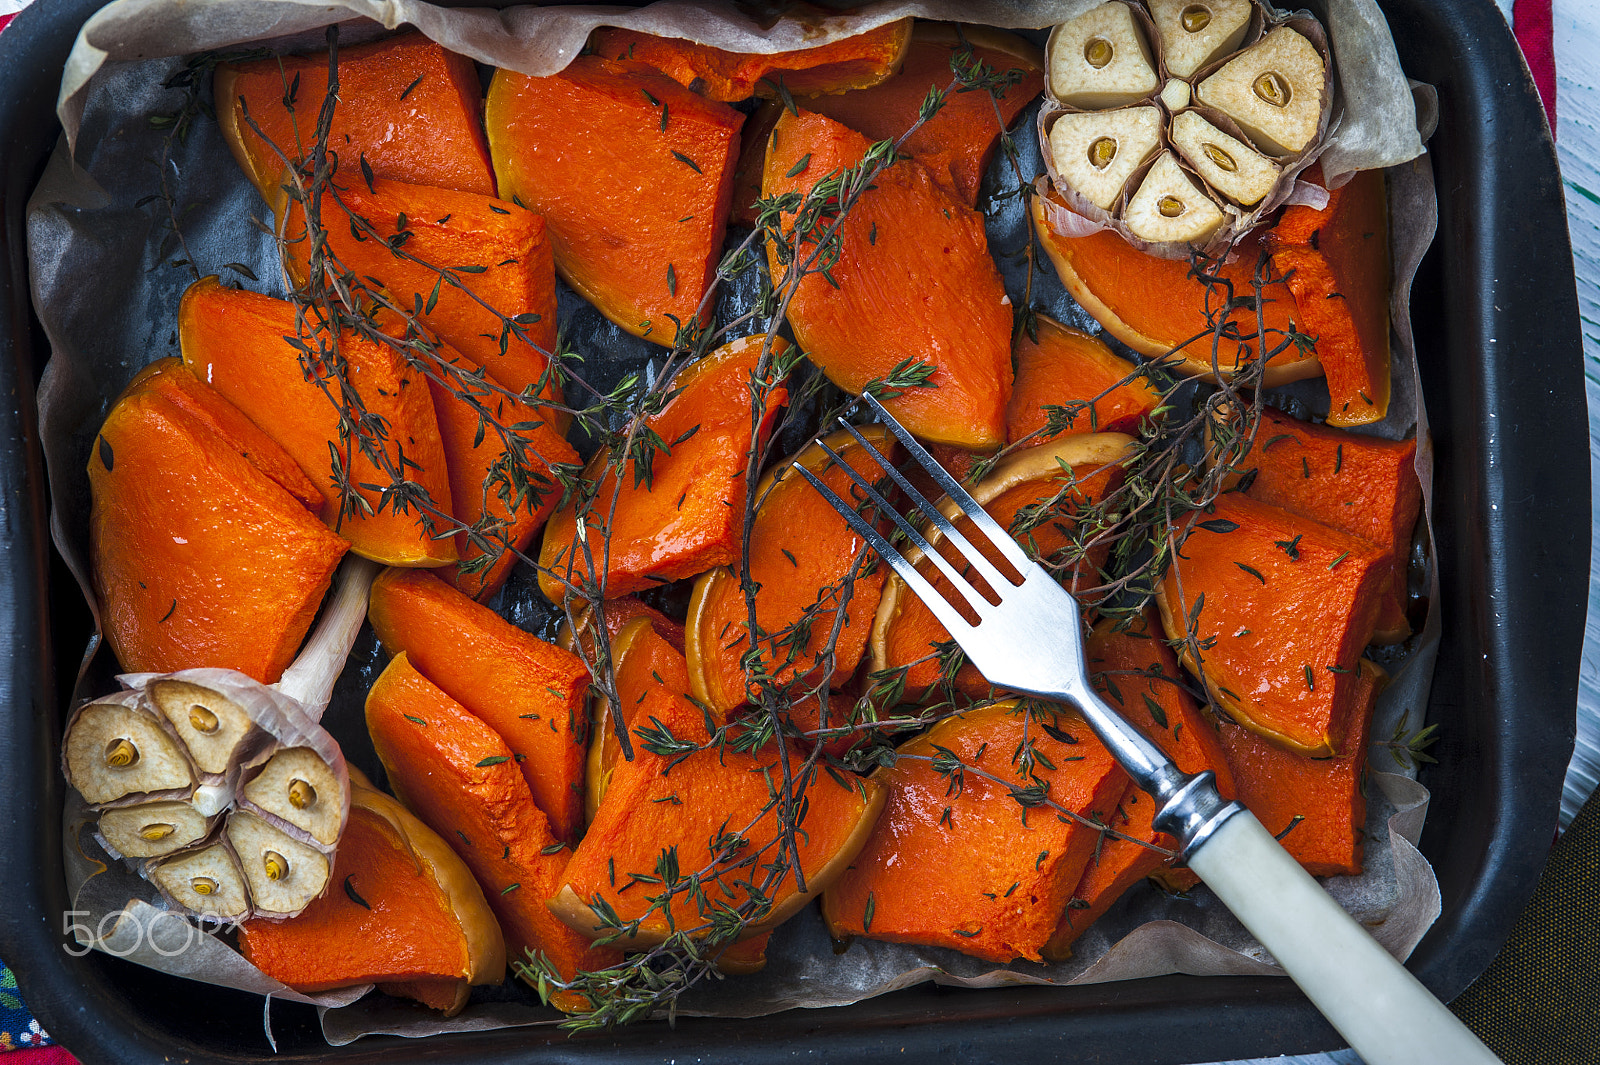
{"x": 1030, "y": 640}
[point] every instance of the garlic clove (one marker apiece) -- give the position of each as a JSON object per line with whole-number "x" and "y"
{"x": 1195, "y": 33}
{"x": 1175, "y": 94}
{"x": 113, "y": 750}
{"x": 1227, "y": 164}
{"x": 1273, "y": 90}
{"x": 206, "y": 881}
{"x": 211, "y": 725}
{"x": 298, "y": 786}
{"x": 1169, "y": 207}
{"x": 284, "y": 874}
{"x": 150, "y": 830}
{"x": 1100, "y": 59}
{"x": 1095, "y": 152}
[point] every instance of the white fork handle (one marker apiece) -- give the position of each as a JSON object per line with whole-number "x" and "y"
{"x": 1386, "y": 1014}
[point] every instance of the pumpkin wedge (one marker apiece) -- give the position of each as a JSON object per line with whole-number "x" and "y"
{"x": 1362, "y": 485}
{"x": 1336, "y": 262}
{"x": 457, "y": 775}
{"x": 803, "y": 557}
{"x": 956, "y": 144}
{"x": 1156, "y": 307}
{"x": 199, "y": 558}
{"x": 909, "y": 253}
{"x": 965, "y": 865}
{"x": 235, "y": 342}
{"x": 1315, "y": 806}
{"x": 906, "y": 635}
{"x": 850, "y": 63}
{"x": 406, "y": 915}
{"x": 1283, "y": 608}
{"x": 1069, "y": 368}
{"x": 406, "y": 106}
{"x": 530, "y": 692}
{"x": 684, "y": 517}
{"x": 634, "y": 176}
{"x": 711, "y": 812}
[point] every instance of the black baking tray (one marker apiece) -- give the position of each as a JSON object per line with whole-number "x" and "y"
{"x": 1496, "y": 318}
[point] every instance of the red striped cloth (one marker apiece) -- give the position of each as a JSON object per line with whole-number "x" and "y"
{"x": 1531, "y": 20}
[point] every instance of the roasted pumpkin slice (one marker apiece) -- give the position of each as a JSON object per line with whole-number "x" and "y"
{"x": 634, "y": 176}
{"x": 530, "y": 692}
{"x": 956, "y": 144}
{"x": 1361, "y": 485}
{"x": 1315, "y": 806}
{"x": 199, "y": 558}
{"x": 712, "y": 814}
{"x": 457, "y": 775}
{"x": 1029, "y": 494}
{"x": 405, "y": 913}
{"x": 1066, "y": 368}
{"x": 808, "y": 564}
{"x": 407, "y": 107}
{"x": 475, "y": 253}
{"x": 959, "y": 862}
{"x": 1157, "y": 306}
{"x": 1136, "y": 851}
{"x": 681, "y": 512}
{"x": 235, "y": 341}
{"x": 1336, "y": 262}
{"x": 909, "y": 253}
{"x": 1281, "y": 609}
{"x": 849, "y": 63}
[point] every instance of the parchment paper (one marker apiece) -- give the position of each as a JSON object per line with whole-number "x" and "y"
{"x": 106, "y": 289}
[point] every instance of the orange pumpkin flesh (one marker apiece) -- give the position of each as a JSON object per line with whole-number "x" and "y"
{"x": 1361, "y": 485}
{"x": 199, "y": 558}
{"x": 910, "y": 253}
{"x": 1283, "y": 627}
{"x": 457, "y": 775}
{"x": 688, "y": 516}
{"x": 801, "y": 553}
{"x": 989, "y": 878}
{"x": 656, "y": 804}
{"x": 956, "y": 144}
{"x": 529, "y": 692}
{"x": 234, "y": 341}
{"x": 408, "y": 106}
{"x": 1336, "y": 261}
{"x": 636, "y": 204}
{"x": 863, "y": 59}
{"x": 1315, "y": 805}
{"x": 1064, "y": 366}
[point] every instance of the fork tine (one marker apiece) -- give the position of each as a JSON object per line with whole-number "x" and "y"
{"x": 979, "y": 561}
{"x": 952, "y": 488}
{"x": 948, "y": 615}
{"x": 963, "y": 587}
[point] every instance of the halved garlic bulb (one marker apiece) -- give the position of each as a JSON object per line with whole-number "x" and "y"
{"x": 1226, "y": 163}
{"x": 1194, "y": 33}
{"x": 1169, "y": 207}
{"x": 1101, "y": 59}
{"x": 1097, "y": 151}
{"x": 1273, "y": 90}
{"x": 154, "y": 828}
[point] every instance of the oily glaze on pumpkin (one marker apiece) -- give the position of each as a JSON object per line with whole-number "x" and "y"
{"x": 967, "y": 867}
{"x": 911, "y": 254}
{"x": 656, "y": 804}
{"x": 688, "y": 516}
{"x": 457, "y": 775}
{"x": 234, "y": 341}
{"x": 1283, "y": 627}
{"x": 801, "y": 556}
{"x": 408, "y": 106}
{"x": 198, "y": 557}
{"x": 1336, "y": 261}
{"x": 1315, "y": 806}
{"x": 850, "y": 63}
{"x": 906, "y": 634}
{"x": 1155, "y": 307}
{"x": 529, "y": 692}
{"x": 1362, "y": 485}
{"x": 634, "y": 176}
{"x": 1065, "y": 366}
